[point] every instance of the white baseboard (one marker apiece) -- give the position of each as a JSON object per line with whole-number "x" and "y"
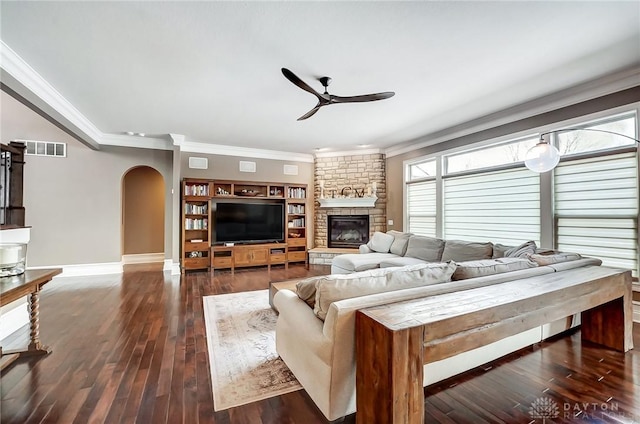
{"x": 13, "y": 319}
{"x": 86, "y": 269}
{"x": 142, "y": 258}
{"x": 174, "y": 267}
{"x": 636, "y": 311}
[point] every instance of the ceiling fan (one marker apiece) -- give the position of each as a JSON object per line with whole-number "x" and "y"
{"x": 325, "y": 98}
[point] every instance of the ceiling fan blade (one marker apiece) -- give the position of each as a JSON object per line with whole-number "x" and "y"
{"x": 311, "y": 112}
{"x": 363, "y": 98}
{"x": 297, "y": 81}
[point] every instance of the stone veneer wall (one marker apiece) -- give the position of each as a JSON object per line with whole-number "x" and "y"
{"x": 357, "y": 172}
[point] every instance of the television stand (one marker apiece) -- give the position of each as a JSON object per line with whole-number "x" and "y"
{"x": 248, "y": 255}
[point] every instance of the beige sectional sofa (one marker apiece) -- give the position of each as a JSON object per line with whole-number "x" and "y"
{"x": 395, "y": 249}
{"x": 315, "y": 332}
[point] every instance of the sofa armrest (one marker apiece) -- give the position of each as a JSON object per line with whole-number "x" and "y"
{"x": 364, "y": 249}
{"x": 301, "y": 324}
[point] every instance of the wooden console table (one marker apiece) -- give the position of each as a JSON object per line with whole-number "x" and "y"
{"x": 394, "y": 341}
{"x": 13, "y": 288}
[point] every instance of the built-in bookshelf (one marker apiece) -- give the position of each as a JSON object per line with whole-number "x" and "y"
{"x": 296, "y": 218}
{"x": 196, "y": 218}
{"x": 199, "y": 199}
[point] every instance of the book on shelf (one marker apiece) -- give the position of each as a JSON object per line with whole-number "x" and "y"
{"x": 196, "y": 240}
{"x": 196, "y": 190}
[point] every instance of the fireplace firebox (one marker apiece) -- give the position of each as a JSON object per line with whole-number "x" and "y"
{"x": 348, "y": 231}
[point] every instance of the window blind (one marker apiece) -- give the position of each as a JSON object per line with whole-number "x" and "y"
{"x": 498, "y": 206}
{"x": 596, "y": 208}
{"x": 421, "y": 207}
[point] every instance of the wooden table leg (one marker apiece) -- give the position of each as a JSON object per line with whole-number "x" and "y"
{"x": 389, "y": 373}
{"x": 35, "y": 347}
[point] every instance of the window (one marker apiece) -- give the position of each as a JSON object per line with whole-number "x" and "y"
{"x": 596, "y": 208}
{"x": 422, "y": 170}
{"x": 572, "y": 142}
{"x": 421, "y": 206}
{"x": 499, "y": 206}
{"x": 491, "y": 156}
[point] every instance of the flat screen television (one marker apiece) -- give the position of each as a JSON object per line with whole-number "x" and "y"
{"x": 248, "y": 222}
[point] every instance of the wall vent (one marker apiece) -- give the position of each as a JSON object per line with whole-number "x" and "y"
{"x": 290, "y": 169}
{"x": 246, "y": 166}
{"x": 45, "y": 148}
{"x": 198, "y": 163}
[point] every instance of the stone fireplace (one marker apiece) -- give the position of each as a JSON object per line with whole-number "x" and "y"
{"x": 346, "y": 176}
{"x": 347, "y": 231}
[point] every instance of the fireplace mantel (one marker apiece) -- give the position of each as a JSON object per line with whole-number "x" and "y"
{"x": 348, "y": 202}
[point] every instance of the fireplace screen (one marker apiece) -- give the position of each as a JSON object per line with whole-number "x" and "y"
{"x": 348, "y": 231}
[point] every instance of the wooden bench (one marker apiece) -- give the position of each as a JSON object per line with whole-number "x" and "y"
{"x": 393, "y": 341}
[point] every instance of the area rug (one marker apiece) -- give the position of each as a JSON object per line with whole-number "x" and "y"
{"x": 241, "y": 337}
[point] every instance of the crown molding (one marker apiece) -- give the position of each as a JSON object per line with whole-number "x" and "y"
{"x": 136, "y": 142}
{"x": 26, "y": 82}
{"x": 609, "y": 84}
{"x": 247, "y": 152}
{"x": 348, "y": 153}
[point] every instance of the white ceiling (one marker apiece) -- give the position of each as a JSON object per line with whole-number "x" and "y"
{"x": 211, "y": 70}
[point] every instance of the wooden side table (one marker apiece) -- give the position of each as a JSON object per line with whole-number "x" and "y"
{"x": 13, "y": 288}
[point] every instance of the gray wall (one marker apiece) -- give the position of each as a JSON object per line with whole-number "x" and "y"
{"x": 74, "y": 204}
{"x": 395, "y": 163}
{"x": 228, "y": 168}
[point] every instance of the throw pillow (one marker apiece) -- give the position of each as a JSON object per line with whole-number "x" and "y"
{"x": 333, "y": 288}
{"x": 426, "y": 248}
{"x": 459, "y": 250}
{"x": 522, "y": 251}
{"x": 471, "y": 269}
{"x": 380, "y": 242}
{"x": 306, "y": 290}
{"x": 400, "y": 241}
{"x": 555, "y": 258}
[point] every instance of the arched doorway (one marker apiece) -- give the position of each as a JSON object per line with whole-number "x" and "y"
{"x": 143, "y": 211}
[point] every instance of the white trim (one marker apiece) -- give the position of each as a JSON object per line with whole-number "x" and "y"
{"x": 86, "y": 269}
{"x": 174, "y": 267}
{"x": 247, "y": 152}
{"x": 139, "y": 142}
{"x": 142, "y": 258}
{"x": 348, "y": 153}
{"x": 348, "y": 202}
{"x": 15, "y": 318}
{"x": 636, "y": 311}
{"x": 24, "y": 74}
{"x": 579, "y": 93}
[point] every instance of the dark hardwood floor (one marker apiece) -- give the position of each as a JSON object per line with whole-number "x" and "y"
{"x": 132, "y": 348}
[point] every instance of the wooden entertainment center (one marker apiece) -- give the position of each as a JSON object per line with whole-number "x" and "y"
{"x": 199, "y": 200}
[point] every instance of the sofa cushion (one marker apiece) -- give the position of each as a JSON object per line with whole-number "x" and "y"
{"x": 354, "y": 262}
{"x": 555, "y": 258}
{"x": 380, "y": 242}
{"x": 332, "y": 288}
{"x": 400, "y": 241}
{"x": 522, "y": 251}
{"x": 459, "y": 250}
{"x": 471, "y": 269}
{"x": 499, "y": 250}
{"x": 400, "y": 261}
{"x": 428, "y": 249}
